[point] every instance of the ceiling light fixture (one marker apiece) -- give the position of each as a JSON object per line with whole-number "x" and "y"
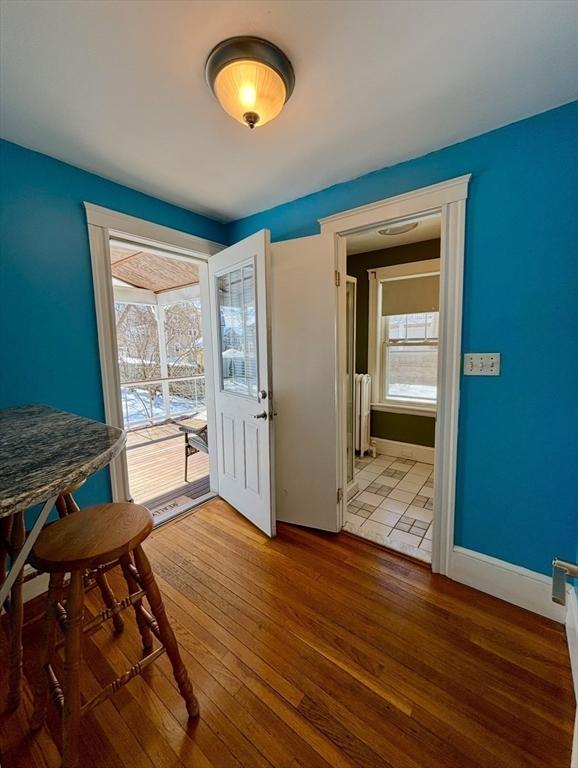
{"x": 251, "y": 78}
{"x": 398, "y": 229}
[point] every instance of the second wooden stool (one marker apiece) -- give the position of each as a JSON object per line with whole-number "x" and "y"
{"x": 84, "y": 541}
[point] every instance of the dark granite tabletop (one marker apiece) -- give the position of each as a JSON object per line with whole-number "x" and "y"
{"x": 43, "y": 451}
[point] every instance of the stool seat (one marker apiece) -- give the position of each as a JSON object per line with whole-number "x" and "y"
{"x": 91, "y": 537}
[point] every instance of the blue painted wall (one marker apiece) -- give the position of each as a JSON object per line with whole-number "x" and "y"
{"x": 517, "y": 495}
{"x": 48, "y": 339}
{"x": 517, "y": 491}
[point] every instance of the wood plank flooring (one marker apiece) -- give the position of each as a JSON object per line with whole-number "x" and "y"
{"x": 315, "y": 650}
{"x": 156, "y": 469}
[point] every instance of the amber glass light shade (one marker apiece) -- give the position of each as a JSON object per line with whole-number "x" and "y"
{"x": 250, "y": 91}
{"x": 251, "y": 78}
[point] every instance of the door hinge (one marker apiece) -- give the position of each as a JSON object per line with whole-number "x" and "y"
{"x": 337, "y": 278}
{"x": 339, "y": 494}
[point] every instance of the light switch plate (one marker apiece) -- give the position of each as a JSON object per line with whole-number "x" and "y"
{"x": 482, "y": 364}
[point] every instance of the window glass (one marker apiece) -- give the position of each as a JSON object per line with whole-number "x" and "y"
{"x": 409, "y": 357}
{"x": 238, "y": 330}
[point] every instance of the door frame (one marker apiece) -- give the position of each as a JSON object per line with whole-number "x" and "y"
{"x": 104, "y": 224}
{"x": 449, "y": 199}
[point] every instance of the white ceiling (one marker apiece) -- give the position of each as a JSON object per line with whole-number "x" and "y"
{"x": 370, "y": 240}
{"x": 117, "y": 87}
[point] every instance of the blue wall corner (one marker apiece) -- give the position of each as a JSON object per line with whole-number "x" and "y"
{"x": 517, "y": 487}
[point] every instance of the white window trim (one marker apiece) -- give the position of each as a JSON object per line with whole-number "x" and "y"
{"x": 376, "y": 276}
{"x": 448, "y": 198}
{"x": 104, "y": 224}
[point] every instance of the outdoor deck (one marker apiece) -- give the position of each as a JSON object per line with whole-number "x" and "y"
{"x": 157, "y": 469}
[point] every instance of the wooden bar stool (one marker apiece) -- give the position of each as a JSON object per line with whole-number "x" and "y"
{"x": 86, "y": 540}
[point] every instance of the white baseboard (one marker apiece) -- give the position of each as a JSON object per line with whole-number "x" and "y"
{"x": 404, "y": 450}
{"x": 572, "y": 635}
{"x": 517, "y": 585}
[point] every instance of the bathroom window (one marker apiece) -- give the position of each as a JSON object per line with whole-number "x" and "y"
{"x": 410, "y": 357}
{"x": 404, "y": 332}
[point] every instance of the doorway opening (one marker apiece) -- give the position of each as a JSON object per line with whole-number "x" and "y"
{"x": 392, "y": 342}
{"x": 161, "y": 365}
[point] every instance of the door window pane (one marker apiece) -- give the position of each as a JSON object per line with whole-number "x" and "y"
{"x": 238, "y": 330}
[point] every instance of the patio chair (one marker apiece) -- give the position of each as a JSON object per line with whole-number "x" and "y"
{"x": 195, "y": 441}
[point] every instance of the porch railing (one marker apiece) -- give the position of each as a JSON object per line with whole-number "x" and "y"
{"x": 153, "y": 401}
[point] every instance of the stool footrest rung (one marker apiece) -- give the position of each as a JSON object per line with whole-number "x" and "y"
{"x": 55, "y": 688}
{"x": 121, "y": 605}
{"x": 122, "y": 680}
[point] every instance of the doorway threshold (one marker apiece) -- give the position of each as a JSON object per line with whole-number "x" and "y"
{"x": 179, "y": 501}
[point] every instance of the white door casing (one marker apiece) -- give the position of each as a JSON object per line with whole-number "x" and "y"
{"x": 449, "y": 198}
{"x": 102, "y": 225}
{"x": 238, "y": 278}
{"x": 303, "y": 297}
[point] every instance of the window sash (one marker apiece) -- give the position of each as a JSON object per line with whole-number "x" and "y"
{"x": 388, "y": 344}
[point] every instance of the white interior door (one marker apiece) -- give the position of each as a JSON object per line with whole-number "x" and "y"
{"x": 243, "y": 408}
{"x": 308, "y": 460}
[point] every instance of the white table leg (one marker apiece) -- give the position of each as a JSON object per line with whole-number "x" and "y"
{"x": 20, "y": 561}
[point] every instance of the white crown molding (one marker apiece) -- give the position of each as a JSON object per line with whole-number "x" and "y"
{"x": 517, "y": 585}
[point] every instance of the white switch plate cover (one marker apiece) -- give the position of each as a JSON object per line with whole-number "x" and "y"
{"x": 482, "y": 364}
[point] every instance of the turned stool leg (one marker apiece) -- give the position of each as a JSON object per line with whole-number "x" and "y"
{"x": 72, "y": 658}
{"x": 49, "y": 638}
{"x": 133, "y": 586}
{"x": 166, "y": 633}
{"x": 109, "y": 600}
{"x": 15, "y": 617}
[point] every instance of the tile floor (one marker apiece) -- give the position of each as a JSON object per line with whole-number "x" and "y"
{"x": 394, "y": 504}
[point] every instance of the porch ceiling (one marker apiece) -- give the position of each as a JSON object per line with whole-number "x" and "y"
{"x": 147, "y": 270}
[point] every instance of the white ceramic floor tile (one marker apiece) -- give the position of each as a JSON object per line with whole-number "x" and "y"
{"x": 384, "y": 516}
{"x": 401, "y": 467}
{"x": 427, "y": 492}
{"x": 384, "y": 461}
{"x": 422, "y": 468}
{"x": 370, "y": 498}
{"x": 429, "y": 533}
{"x": 406, "y": 538}
{"x": 419, "y": 513}
{"x": 374, "y": 525}
{"x": 390, "y": 482}
{"x": 398, "y": 495}
{"x": 409, "y": 485}
{"x": 426, "y": 544}
{"x": 392, "y": 505}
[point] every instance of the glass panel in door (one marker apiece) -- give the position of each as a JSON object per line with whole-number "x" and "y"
{"x": 238, "y": 330}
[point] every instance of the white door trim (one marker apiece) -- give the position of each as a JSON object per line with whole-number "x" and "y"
{"x": 102, "y": 225}
{"x": 449, "y": 199}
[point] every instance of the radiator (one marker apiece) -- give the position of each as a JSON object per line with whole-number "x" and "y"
{"x": 362, "y": 412}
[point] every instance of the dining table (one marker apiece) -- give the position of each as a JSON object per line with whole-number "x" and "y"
{"x": 43, "y": 452}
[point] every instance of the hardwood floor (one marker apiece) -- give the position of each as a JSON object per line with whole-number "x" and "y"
{"x": 316, "y": 650}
